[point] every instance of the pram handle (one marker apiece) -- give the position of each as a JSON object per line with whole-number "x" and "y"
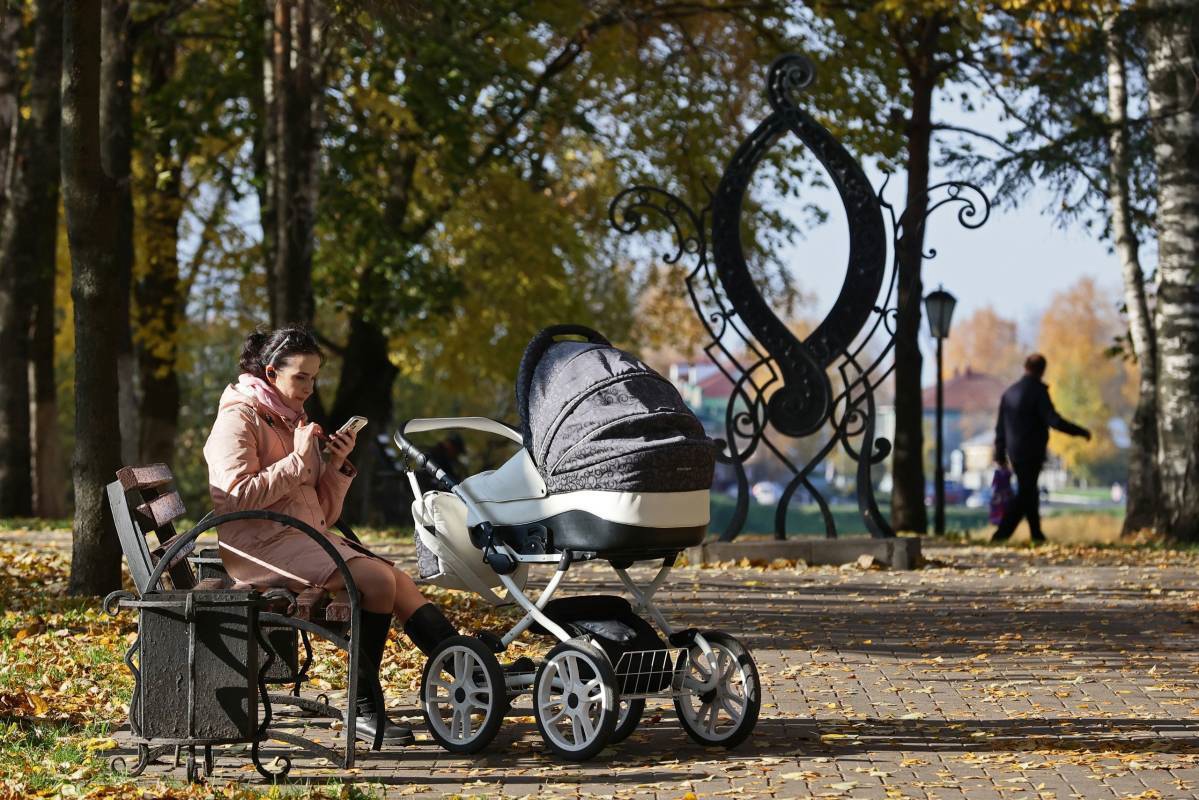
{"x": 481, "y": 424}
{"x": 411, "y": 452}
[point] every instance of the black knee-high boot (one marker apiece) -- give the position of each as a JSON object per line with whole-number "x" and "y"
{"x": 373, "y": 638}
{"x": 428, "y": 627}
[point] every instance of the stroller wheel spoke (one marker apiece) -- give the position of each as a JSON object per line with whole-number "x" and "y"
{"x": 456, "y": 724}
{"x": 726, "y": 665}
{"x": 572, "y": 671}
{"x": 557, "y": 715}
{"x": 587, "y": 725}
{"x": 734, "y": 713}
{"x": 459, "y": 665}
{"x": 467, "y": 718}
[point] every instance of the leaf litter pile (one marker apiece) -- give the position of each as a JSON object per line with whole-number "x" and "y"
{"x": 1065, "y": 672}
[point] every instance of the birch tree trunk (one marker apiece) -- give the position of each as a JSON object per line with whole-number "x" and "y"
{"x": 28, "y": 232}
{"x": 1142, "y": 461}
{"x": 116, "y": 124}
{"x": 1173, "y": 66}
{"x": 91, "y": 230}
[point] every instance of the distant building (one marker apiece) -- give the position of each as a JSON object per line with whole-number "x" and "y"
{"x": 706, "y": 391}
{"x": 971, "y": 401}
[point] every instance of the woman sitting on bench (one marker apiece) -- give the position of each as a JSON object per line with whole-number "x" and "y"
{"x": 264, "y": 454}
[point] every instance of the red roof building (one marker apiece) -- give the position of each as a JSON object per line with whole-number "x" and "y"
{"x": 968, "y": 392}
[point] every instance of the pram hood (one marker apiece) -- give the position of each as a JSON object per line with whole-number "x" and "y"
{"x": 595, "y": 417}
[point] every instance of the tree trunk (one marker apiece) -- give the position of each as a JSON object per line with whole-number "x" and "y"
{"x": 16, "y": 488}
{"x": 92, "y": 232}
{"x": 367, "y": 379}
{"x": 260, "y": 52}
{"x": 116, "y": 123}
{"x": 907, "y": 467}
{"x": 296, "y": 100}
{"x": 28, "y": 231}
{"x": 1142, "y": 460}
{"x": 1173, "y": 66}
{"x": 157, "y": 287}
{"x": 49, "y": 480}
{"x": 10, "y": 90}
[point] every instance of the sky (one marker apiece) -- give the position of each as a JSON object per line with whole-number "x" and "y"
{"x": 1014, "y": 263}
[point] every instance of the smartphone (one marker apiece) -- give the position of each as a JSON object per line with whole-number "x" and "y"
{"x": 352, "y": 425}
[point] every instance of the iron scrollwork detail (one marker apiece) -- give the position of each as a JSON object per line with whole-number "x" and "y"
{"x": 782, "y": 385}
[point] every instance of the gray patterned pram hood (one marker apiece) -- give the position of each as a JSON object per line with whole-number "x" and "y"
{"x": 595, "y": 417}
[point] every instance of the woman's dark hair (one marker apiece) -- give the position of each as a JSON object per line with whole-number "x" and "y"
{"x": 264, "y": 349}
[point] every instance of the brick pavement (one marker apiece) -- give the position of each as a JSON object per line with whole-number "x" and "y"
{"x": 998, "y": 673}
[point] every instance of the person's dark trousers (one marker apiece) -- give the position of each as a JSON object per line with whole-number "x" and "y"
{"x": 1025, "y": 505}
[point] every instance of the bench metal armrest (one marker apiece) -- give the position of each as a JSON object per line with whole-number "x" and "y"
{"x": 212, "y": 520}
{"x": 346, "y": 531}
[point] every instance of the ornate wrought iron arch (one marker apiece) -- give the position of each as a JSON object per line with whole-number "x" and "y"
{"x": 780, "y": 384}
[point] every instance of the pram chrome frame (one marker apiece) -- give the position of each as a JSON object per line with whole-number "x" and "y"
{"x": 682, "y": 682}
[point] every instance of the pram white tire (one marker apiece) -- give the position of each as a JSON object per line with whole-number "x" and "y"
{"x": 575, "y": 701}
{"x": 727, "y": 713}
{"x": 463, "y": 695}
{"x": 627, "y": 718}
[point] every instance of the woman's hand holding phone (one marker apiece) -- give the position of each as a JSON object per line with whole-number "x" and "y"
{"x": 339, "y": 446}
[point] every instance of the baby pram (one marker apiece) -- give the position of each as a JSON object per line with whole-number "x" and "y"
{"x": 613, "y": 466}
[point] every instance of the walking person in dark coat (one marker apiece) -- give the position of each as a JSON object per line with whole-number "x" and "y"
{"x": 1021, "y": 435}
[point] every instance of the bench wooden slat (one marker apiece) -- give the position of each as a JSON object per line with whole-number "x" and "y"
{"x": 213, "y": 584}
{"x": 150, "y": 476}
{"x": 337, "y": 611}
{"x": 313, "y": 604}
{"x": 179, "y": 558}
{"x": 162, "y": 510}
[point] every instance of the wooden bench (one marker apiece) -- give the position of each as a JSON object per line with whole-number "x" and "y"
{"x": 145, "y": 506}
{"x": 143, "y": 502}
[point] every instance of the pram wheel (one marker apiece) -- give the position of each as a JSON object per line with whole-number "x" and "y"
{"x": 463, "y": 695}
{"x": 574, "y": 701}
{"x": 725, "y": 710}
{"x": 627, "y": 719}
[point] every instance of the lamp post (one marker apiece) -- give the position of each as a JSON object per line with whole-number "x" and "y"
{"x": 939, "y": 307}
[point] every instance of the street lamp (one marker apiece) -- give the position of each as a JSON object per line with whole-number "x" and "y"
{"x": 939, "y": 307}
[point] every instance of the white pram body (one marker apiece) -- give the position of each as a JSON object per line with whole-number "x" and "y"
{"x": 617, "y": 525}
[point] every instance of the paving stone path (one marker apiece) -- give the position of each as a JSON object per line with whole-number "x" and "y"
{"x": 992, "y": 673}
